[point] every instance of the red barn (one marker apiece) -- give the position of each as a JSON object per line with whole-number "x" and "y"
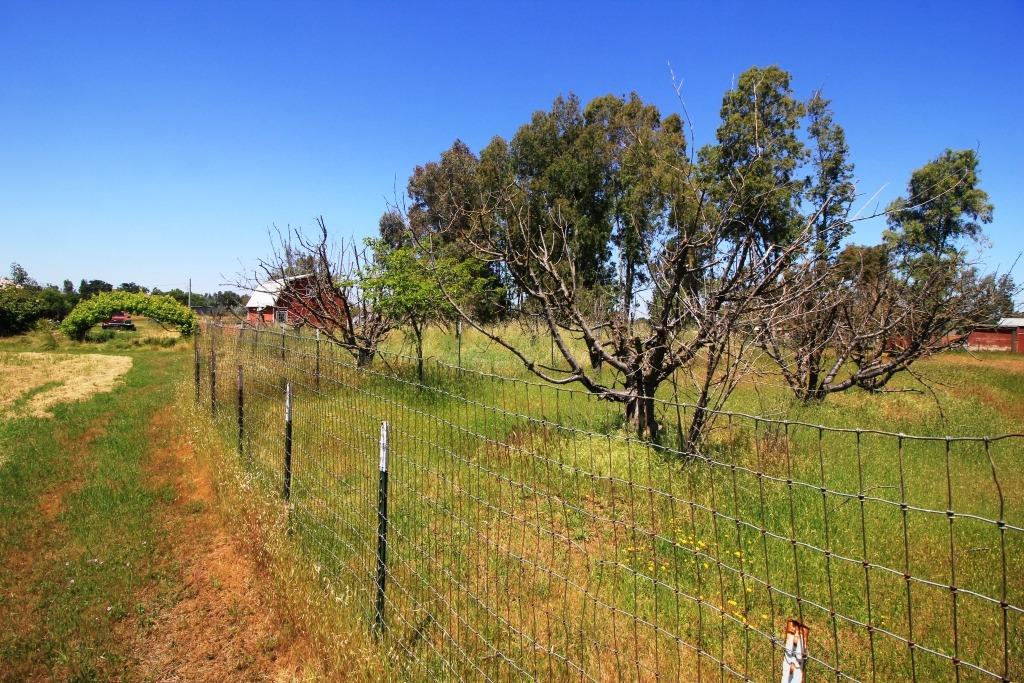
{"x": 1006, "y": 335}
{"x": 288, "y": 301}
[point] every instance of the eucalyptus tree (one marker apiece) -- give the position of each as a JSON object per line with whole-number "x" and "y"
{"x": 752, "y": 173}
{"x": 441, "y": 193}
{"x": 944, "y": 206}
{"x": 798, "y": 336}
{"x": 694, "y": 248}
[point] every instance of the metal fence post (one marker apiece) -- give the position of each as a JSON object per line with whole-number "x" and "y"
{"x": 195, "y": 346}
{"x": 241, "y": 412}
{"x": 282, "y": 344}
{"x": 382, "y": 527}
{"x": 287, "y": 491}
{"x": 316, "y": 375}
{"x": 213, "y": 377}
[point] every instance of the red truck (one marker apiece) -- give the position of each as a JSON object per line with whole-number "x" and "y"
{"x": 119, "y": 321}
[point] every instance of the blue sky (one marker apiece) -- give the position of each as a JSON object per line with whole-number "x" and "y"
{"x": 158, "y": 141}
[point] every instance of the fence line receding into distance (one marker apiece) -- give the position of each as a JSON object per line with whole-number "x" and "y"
{"x": 531, "y": 537}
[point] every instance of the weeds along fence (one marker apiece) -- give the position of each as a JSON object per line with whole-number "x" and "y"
{"x": 530, "y": 537}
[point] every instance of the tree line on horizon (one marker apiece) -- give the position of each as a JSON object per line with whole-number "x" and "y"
{"x": 24, "y": 301}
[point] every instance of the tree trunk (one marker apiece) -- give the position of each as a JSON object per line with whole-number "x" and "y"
{"x": 640, "y": 411}
{"x": 595, "y": 359}
{"x": 418, "y": 331}
{"x": 700, "y": 422}
{"x": 627, "y": 294}
{"x": 814, "y": 392}
{"x": 650, "y": 418}
{"x": 695, "y": 434}
{"x": 631, "y": 410}
{"x": 364, "y": 356}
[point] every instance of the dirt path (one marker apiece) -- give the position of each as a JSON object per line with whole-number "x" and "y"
{"x": 219, "y": 625}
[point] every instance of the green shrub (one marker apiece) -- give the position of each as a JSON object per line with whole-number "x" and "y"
{"x": 54, "y": 304}
{"x": 98, "y": 336}
{"x": 20, "y": 307}
{"x": 161, "y": 342}
{"x": 47, "y": 331}
{"x": 100, "y": 307}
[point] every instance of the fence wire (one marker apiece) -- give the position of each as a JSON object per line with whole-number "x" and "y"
{"x": 531, "y": 537}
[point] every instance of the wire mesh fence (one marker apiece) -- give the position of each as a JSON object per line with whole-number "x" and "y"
{"x": 530, "y": 537}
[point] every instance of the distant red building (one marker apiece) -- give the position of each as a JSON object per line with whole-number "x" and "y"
{"x": 289, "y": 301}
{"x": 1006, "y": 335}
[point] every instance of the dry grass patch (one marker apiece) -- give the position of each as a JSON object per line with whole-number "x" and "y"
{"x": 220, "y": 625}
{"x": 35, "y": 382}
{"x": 1004, "y": 362}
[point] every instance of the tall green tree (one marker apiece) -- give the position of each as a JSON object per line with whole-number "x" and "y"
{"x": 799, "y": 340}
{"x": 559, "y": 163}
{"x": 639, "y": 150}
{"x": 20, "y": 276}
{"x": 753, "y": 169}
{"x": 944, "y": 206}
{"x": 132, "y": 287}
{"x": 596, "y": 182}
{"x": 830, "y": 185}
{"x": 89, "y": 288}
{"x": 444, "y": 194}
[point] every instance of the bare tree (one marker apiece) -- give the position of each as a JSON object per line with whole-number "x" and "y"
{"x": 881, "y": 308}
{"x": 322, "y": 281}
{"x": 709, "y": 284}
{"x": 875, "y": 314}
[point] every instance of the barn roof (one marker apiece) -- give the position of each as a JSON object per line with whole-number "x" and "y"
{"x": 267, "y": 293}
{"x": 1011, "y": 322}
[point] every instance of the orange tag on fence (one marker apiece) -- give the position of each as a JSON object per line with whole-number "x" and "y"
{"x": 794, "y": 653}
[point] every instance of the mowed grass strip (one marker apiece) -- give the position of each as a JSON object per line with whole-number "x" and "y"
{"x": 36, "y": 381}
{"x": 81, "y": 536}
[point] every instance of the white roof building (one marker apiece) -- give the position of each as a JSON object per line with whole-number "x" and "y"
{"x": 267, "y": 293}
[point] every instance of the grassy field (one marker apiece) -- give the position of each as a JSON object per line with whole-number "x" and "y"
{"x": 973, "y": 393}
{"x": 148, "y": 334}
{"x": 79, "y": 526}
{"x": 533, "y": 537}
{"x": 112, "y": 563}
{"x": 530, "y": 537}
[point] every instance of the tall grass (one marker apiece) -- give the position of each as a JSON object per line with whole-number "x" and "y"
{"x": 533, "y": 537}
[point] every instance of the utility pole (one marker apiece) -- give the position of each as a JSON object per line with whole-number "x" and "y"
{"x": 190, "y": 292}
